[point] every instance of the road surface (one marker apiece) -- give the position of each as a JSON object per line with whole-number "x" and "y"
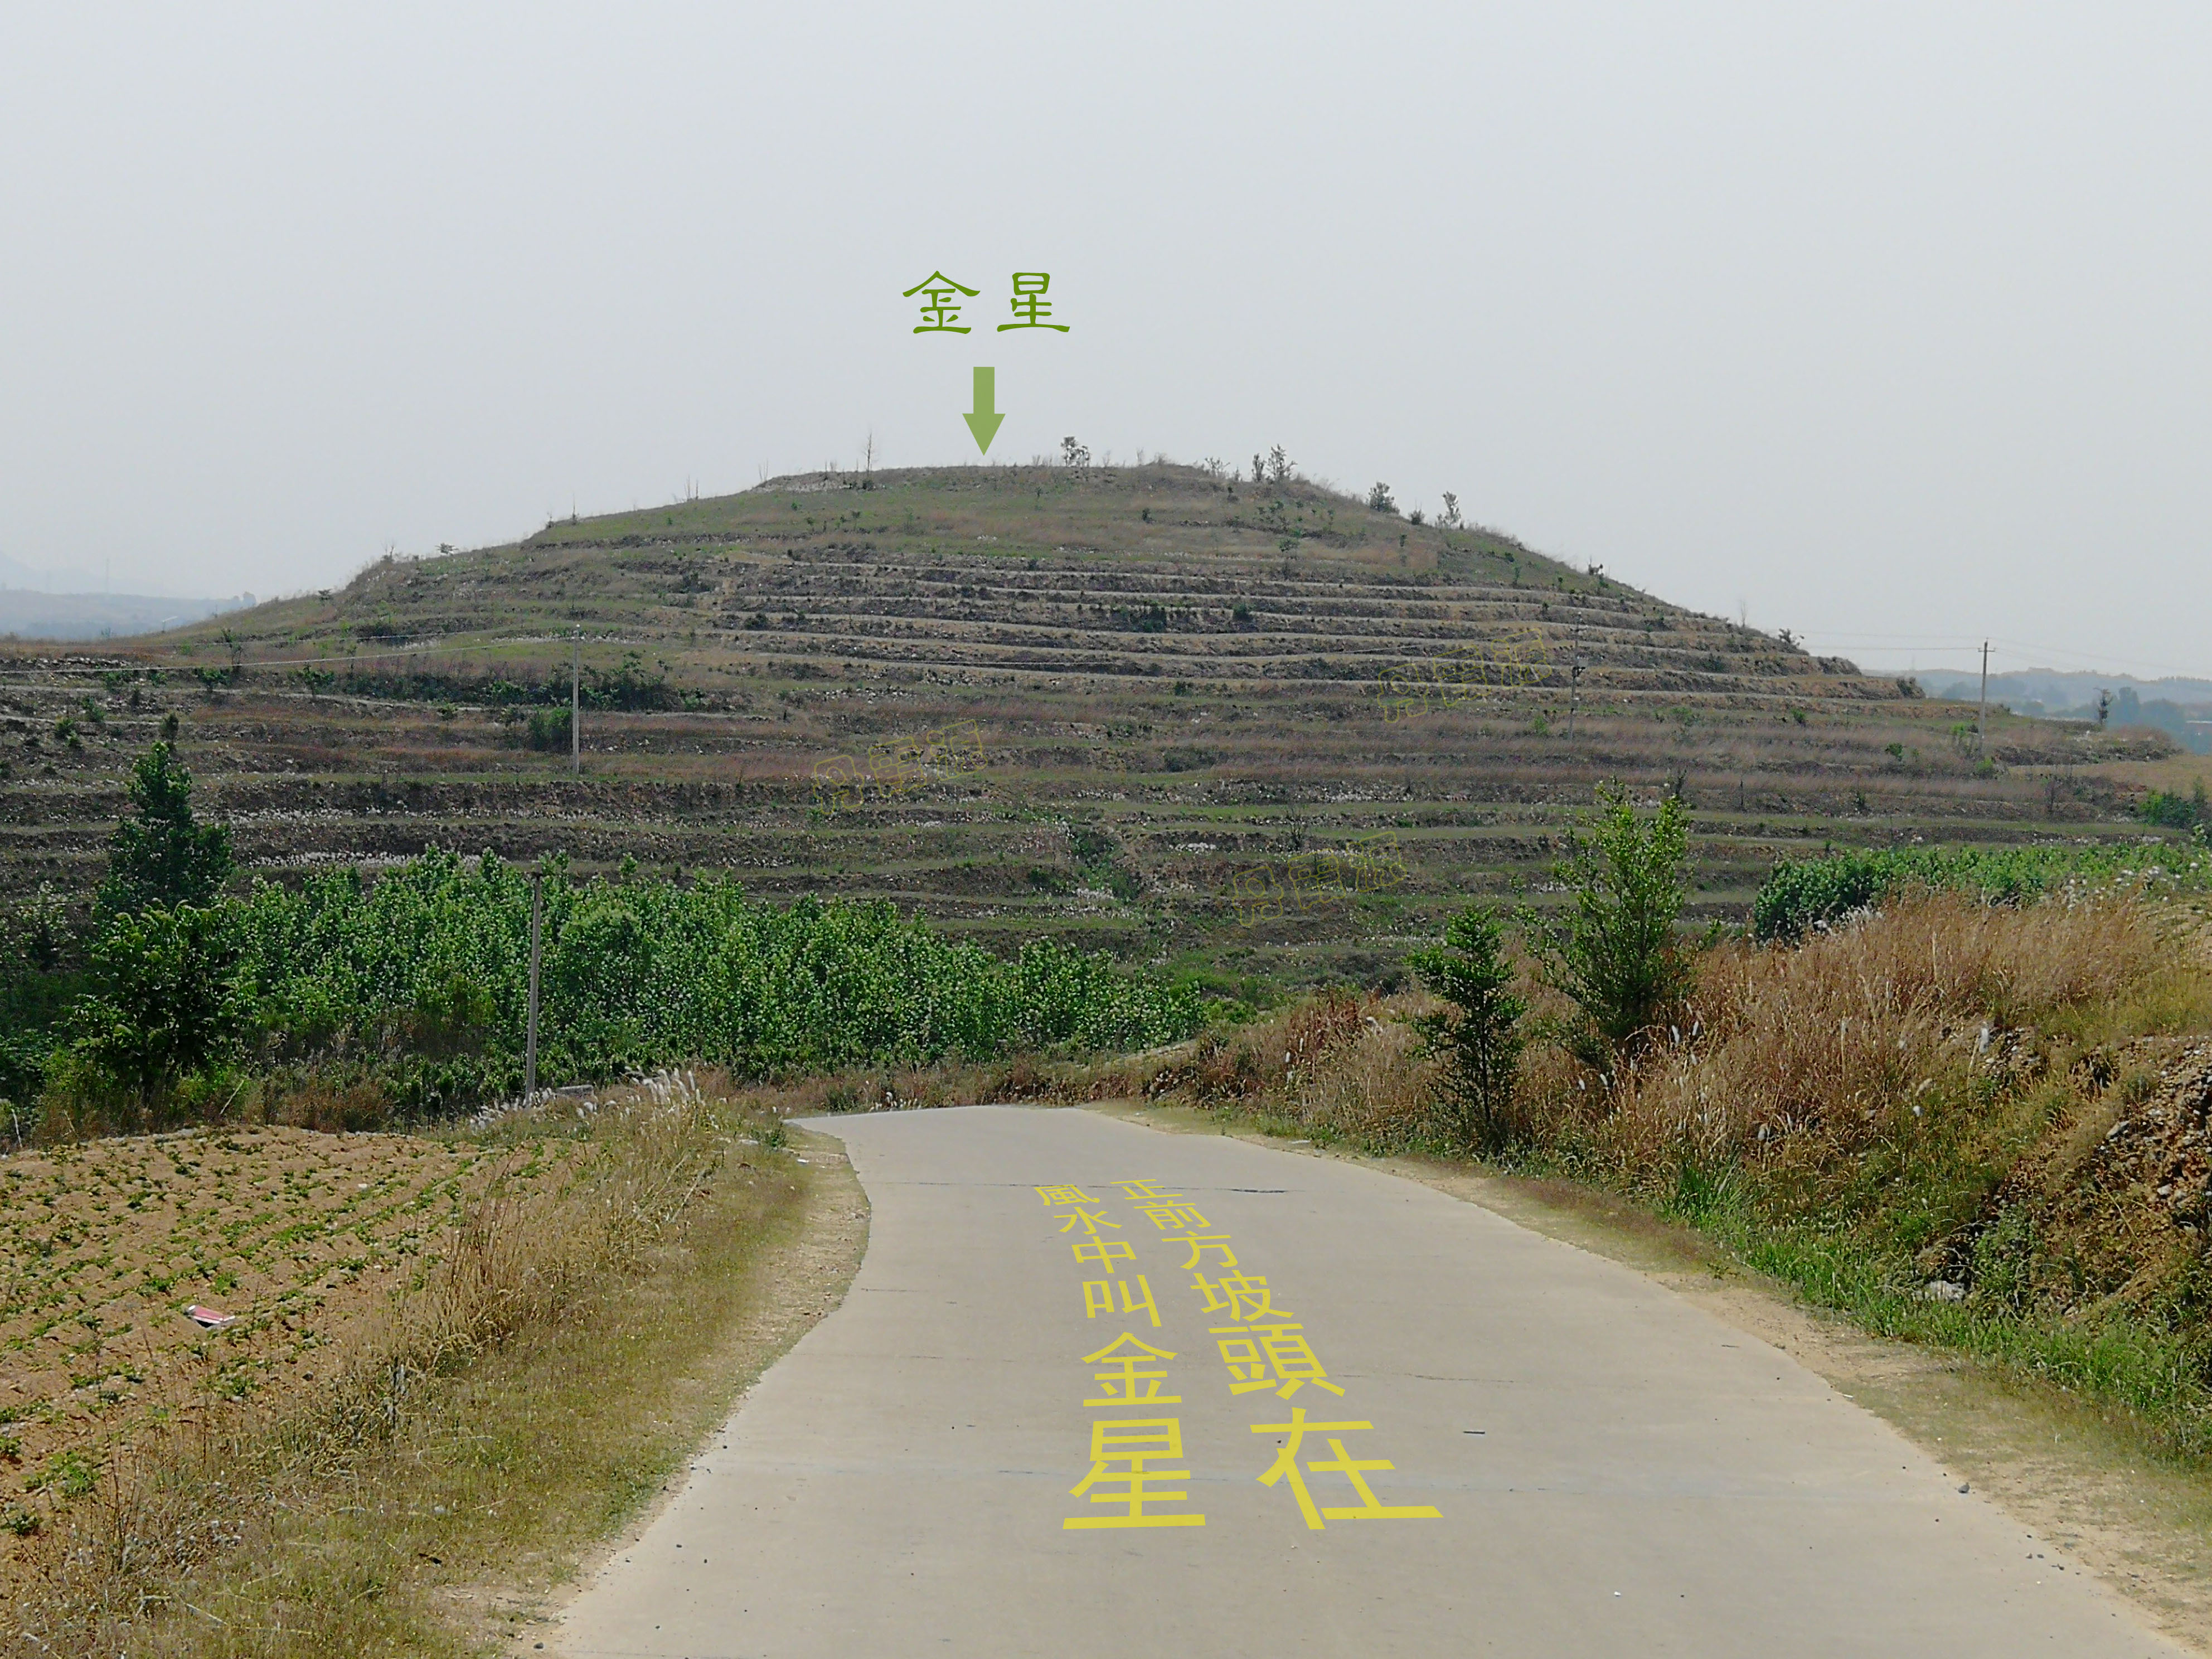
{"x": 1369, "y": 1419}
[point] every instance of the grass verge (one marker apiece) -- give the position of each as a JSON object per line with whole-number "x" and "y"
{"x": 2075, "y": 1476}
{"x": 1984, "y": 1129}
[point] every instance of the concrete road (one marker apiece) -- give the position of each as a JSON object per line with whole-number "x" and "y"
{"x": 1370, "y": 1419}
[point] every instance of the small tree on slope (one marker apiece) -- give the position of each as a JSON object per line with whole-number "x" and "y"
{"x": 1616, "y": 955}
{"x": 1477, "y": 1036}
{"x": 159, "y": 854}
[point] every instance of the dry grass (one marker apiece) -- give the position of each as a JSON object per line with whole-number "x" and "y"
{"x": 1343, "y": 1065}
{"x": 1847, "y": 1038}
{"x": 1988, "y": 1128}
{"x": 524, "y": 1396}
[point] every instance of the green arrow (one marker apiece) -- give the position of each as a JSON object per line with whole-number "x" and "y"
{"x": 984, "y": 422}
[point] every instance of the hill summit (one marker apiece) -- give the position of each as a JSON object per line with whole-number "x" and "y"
{"x": 1135, "y": 571}
{"x": 1269, "y": 729}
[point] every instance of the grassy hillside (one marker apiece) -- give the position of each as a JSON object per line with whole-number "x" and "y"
{"x": 1262, "y": 729}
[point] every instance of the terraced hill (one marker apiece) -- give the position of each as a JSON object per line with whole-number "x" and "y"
{"x": 1264, "y": 728}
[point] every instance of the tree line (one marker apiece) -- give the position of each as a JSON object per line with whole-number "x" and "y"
{"x": 180, "y": 997}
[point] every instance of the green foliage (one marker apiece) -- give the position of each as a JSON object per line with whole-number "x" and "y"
{"x": 36, "y": 990}
{"x": 548, "y": 728}
{"x": 1099, "y": 853}
{"x": 41, "y": 930}
{"x": 1478, "y": 1036}
{"x": 2177, "y": 811}
{"x": 24, "y": 1052}
{"x": 2005, "y": 1260}
{"x": 161, "y": 855}
{"x": 70, "y": 1473}
{"x": 429, "y": 969}
{"x": 164, "y": 1003}
{"x": 1802, "y": 894}
{"x": 1617, "y": 956}
{"x": 627, "y": 687}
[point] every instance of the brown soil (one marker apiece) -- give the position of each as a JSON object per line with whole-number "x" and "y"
{"x": 302, "y": 1237}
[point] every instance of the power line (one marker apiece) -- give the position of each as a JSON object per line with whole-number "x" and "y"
{"x": 2054, "y": 657}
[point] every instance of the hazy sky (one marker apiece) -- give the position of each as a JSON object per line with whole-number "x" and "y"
{"x": 1890, "y": 324}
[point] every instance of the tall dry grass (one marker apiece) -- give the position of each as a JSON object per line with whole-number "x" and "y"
{"x": 150, "y": 1561}
{"x": 1817, "y": 1049}
{"x": 1810, "y": 1052}
{"x": 1982, "y": 1127}
{"x": 519, "y": 1260}
{"x": 1342, "y": 1066}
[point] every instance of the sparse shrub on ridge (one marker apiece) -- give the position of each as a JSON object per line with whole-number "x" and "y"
{"x": 546, "y": 728}
{"x": 2174, "y": 811}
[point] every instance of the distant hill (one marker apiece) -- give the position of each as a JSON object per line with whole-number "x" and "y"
{"x": 33, "y": 616}
{"x": 2055, "y": 689}
{"x": 1022, "y": 571}
{"x": 2180, "y": 707}
{"x": 1262, "y": 730}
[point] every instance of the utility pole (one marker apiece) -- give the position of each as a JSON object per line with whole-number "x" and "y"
{"x": 1982, "y": 713}
{"x": 1574, "y": 681}
{"x": 530, "y": 1030}
{"x": 576, "y": 704}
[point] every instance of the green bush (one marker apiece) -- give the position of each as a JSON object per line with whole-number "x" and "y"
{"x": 1802, "y": 894}
{"x": 428, "y": 969}
{"x": 1616, "y": 955}
{"x": 548, "y": 728}
{"x": 2177, "y": 811}
{"x": 164, "y": 1004}
{"x": 1477, "y": 1036}
{"x": 161, "y": 855}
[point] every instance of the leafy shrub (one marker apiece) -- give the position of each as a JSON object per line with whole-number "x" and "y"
{"x": 2176, "y": 812}
{"x": 163, "y": 1007}
{"x": 1617, "y": 956}
{"x": 23, "y": 1055}
{"x": 429, "y": 969}
{"x": 1477, "y": 1035}
{"x": 629, "y": 687}
{"x": 548, "y": 729}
